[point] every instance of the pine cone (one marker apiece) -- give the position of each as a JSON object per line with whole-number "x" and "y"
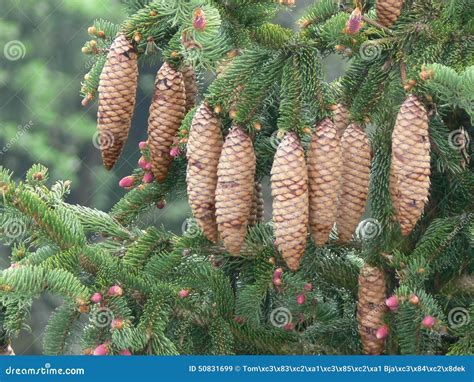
{"x": 371, "y": 308}
{"x": 203, "y": 152}
{"x": 290, "y": 199}
{"x": 324, "y": 175}
{"x": 190, "y": 86}
{"x": 341, "y": 118}
{"x": 354, "y": 180}
{"x": 257, "y": 210}
{"x": 117, "y": 91}
{"x": 235, "y": 188}
{"x": 410, "y": 168}
{"x": 388, "y": 11}
{"x": 167, "y": 110}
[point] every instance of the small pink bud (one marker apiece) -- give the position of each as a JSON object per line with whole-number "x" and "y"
{"x": 115, "y": 290}
{"x": 428, "y": 322}
{"x": 143, "y": 163}
{"x": 199, "y": 21}
{"x": 414, "y": 299}
{"x": 101, "y": 350}
{"x": 392, "y": 303}
{"x": 14, "y": 265}
{"x": 143, "y": 145}
{"x": 148, "y": 177}
{"x": 278, "y": 272}
{"x": 288, "y": 327}
{"x": 381, "y": 333}
{"x": 117, "y": 323}
{"x": 125, "y": 352}
{"x": 174, "y": 152}
{"x": 183, "y": 293}
{"x": 354, "y": 24}
{"x": 160, "y": 204}
{"x": 96, "y": 298}
{"x": 277, "y": 281}
{"x": 308, "y": 287}
{"x": 300, "y": 299}
{"x": 127, "y": 181}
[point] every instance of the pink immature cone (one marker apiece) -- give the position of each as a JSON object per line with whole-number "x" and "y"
{"x": 277, "y": 274}
{"x": 117, "y": 323}
{"x": 381, "y": 333}
{"x": 143, "y": 145}
{"x": 101, "y": 350}
{"x": 428, "y": 322}
{"x": 288, "y": 327}
{"x": 144, "y": 165}
{"x": 308, "y": 287}
{"x": 148, "y": 177}
{"x": 300, "y": 299}
{"x": 174, "y": 152}
{"x": 183, "y": 293}
{"x": 125, "y": 352}
{"x": 115, "y": 290}
{"x": 96, "y": 298}
{"x": 392, "y": 303}
{"x": 127, "y": 181}
{"x": 354, "y": 24}
{"x": 277, "y": 281}
{"x": 199, "y": 21}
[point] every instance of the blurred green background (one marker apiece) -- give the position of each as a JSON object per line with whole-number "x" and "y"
{"x": 42, "y": 120}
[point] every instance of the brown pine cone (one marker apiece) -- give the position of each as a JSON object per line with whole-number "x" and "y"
{"x": 235, "y": 188}
{"x": 289, "y": 178}
{"x": 388, "y": 11}
{"x": 410, "y": 167}
{"x": 117, "y": 91}
{"x": 354, "y": 180}
{"x": 167, "y": 110}
{"x": 371, "y": 308}
{"x": 203, "y": 152}
{"x": 324, "y": 175}
{"x": 341, "y": 118}
{"x": 257, "y": 210}
{"x": 190, "y": 86}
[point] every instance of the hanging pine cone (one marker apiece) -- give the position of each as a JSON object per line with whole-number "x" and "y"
{"x": 167, "y": 110}
{"x": 341, "y": 118}
{"x": 190, "y": 86}
{"x": 371, "y": 308}
{"x": 290, "y": 199}
{"x": 203, "y": 152}
{"x": 324, "y": 175}
{"x": 354, "y": 180}
{"x": 257, "y": 210}
{"x": 388, "y": 11}
{"x": 410, "y": 168}
{"x": 235, "y": 188}
{"x": 117, "y": 91}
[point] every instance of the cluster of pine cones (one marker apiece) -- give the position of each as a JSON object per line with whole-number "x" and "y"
{"x": 175, "y": 93}
{"x": 328, "y": 189}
